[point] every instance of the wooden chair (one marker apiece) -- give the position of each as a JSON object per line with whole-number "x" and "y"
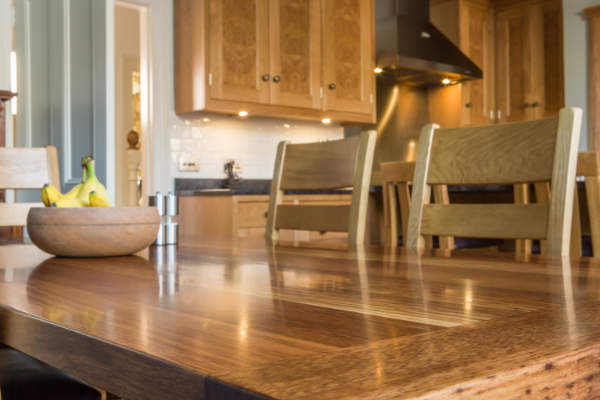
{"x": 23, "y": 377}
{"x": 25, "y": 168}
{"x": 323, "y": 165}
{"x": 588, "y": 166}
{"x": 396, "y": 176}
{"x": 534, "y": 151}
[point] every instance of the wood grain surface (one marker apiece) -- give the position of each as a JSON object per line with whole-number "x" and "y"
{"x": 247, "y": 320}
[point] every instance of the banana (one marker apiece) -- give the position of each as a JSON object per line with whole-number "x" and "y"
{"x": 71, "y": 194}
{"x": 45, "y": 196}
{"x": 51, "y": 194}
{"x": 97, "y": 201}
{"x": 67, "y": 203}
{"x": 91, "y": 184}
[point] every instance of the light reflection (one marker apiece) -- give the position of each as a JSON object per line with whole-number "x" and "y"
{"x": 389, "y": 111}
{"x": 468, "y": 297}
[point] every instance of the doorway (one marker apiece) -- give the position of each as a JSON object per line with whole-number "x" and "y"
{"x": 132, "y": 125}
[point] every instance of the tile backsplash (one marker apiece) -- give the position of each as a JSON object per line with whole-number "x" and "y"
{"x": 212, "y": 140}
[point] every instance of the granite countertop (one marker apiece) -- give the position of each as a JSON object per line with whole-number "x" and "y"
{"x": 220, "y": 187}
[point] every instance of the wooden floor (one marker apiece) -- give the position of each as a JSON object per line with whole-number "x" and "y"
{"x": 244, "y": 320}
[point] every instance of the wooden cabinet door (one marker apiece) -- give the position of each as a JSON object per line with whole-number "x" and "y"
{"x": 238, "y": 50}
{"x": 476, "y": 41}
{"x": 520, "y": 63}
{"x": 348, "y": 58}
{"x": 554, "y": 96}
{"x": 295, "y": 27}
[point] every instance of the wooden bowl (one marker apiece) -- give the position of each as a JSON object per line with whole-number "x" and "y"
{"x": 93, "y": 231}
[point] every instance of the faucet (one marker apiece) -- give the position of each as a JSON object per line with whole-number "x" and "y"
{"x": 232, "y": 170}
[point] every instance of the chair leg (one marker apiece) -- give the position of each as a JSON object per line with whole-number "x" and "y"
{"x": 521, "y": 196}
{"x": 592, "y": 192}
{"x": 440, "y": 196}
{"x": 575, "y": 250}
{"x": 542, "y": 196}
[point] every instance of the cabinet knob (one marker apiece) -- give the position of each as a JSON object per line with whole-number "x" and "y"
{"x": 469, "y": 105}
{"x": 276, "y": 78}
{"x": 331, "y": 86}
{"x": 266, "y": 77}
{"x": 267, "y": 214}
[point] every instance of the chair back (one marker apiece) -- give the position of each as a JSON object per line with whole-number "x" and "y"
{"x": 337, "y": 164}
{"x": 25, "y": 168}
{"x": 525, "y": 152}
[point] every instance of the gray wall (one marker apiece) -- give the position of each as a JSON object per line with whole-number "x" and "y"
{"x": 576, "y": 58}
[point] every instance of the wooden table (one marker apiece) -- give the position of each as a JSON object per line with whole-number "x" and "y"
{"x": 225, "y": 321}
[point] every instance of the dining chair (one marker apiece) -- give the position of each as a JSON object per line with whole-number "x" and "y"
{"x": 534, "y": 151}
{"x": 396, "y": 177}
{"x": 588, "y": 167}
{"x": 21, "y": 376}
{"x": 25, "y": 168}
{"x": 336, "y": 164}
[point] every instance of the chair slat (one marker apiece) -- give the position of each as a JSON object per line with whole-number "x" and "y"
{"x": 519, "y": 221}
{"x": 330, "y": 165}
{"x": 496, "y": 154}
{"x": 313, "y": 218}
{"x": 24, "y": 168}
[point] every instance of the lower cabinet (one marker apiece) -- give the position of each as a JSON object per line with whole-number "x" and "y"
{"x": 218, "y": 217}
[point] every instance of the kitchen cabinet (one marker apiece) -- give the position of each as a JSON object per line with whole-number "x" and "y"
{"x": 470, "y": 25}
{"x": 206, "y": 217}
{"x": 518, "y": 46}
{"x": 477, "y": 42}
{"x": 529, "y": 78}
{"x": 347, "y": 56}
{"x": 299, "y": 59}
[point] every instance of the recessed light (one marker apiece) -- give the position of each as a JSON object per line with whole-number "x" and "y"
{"x": 243, "y": 114}
{"x": 287, "y": 126}
{"x": 446, "y": 81}
{"x": 378, "y": 70}
{"x": 326, "y": 121}
{"x": 205, "y": 119}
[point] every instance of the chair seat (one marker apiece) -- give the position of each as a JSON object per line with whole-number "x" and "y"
{"x": 23, "y": 377}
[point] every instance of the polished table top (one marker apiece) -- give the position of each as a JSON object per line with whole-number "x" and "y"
{"x": 246, "y": 320}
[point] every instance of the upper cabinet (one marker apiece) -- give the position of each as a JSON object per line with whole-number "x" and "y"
{"x": 303, "y": 59}
{"x": 518, "y": 46}
{"x": 348, "y": 56}
{"x": 529, "y": 59}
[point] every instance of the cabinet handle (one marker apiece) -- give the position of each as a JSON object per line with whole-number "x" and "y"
{"x": 267, "y": 214}
{"x": 526, "y": 105}
{"x": 331, "y": 86}
{"x": 469, "y": 105}
{"x": 535, "y": 104}
{"x": 276, "y": 79}
{"x": 266, "y": 77}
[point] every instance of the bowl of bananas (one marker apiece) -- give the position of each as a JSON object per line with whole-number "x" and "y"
{"x": 82, "y": 223}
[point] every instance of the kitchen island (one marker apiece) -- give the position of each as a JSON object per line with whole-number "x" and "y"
{"x": 246, "y": 320}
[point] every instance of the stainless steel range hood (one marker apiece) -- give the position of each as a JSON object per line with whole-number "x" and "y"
{"x": 410, "y": 49}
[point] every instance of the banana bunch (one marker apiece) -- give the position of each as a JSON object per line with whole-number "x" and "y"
{"x": 89, "y": 193}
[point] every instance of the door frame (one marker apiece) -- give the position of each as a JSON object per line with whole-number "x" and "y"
{"x": 146, "y": 86}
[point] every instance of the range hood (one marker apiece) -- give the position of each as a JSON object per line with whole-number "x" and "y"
{"x": 410, "y": 49}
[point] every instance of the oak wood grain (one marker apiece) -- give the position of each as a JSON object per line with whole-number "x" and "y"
{"x": 244, "y": 318}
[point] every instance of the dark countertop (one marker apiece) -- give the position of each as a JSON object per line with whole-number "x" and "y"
{"x": 206, "y": 187}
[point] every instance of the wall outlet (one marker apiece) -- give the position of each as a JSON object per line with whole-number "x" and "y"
{"x": 188, "y": 165}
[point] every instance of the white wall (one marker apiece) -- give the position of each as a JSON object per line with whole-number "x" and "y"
{"x": 576, "y": 58}
{"x": 6, "y": 22}
{"x": 253, "y": 141}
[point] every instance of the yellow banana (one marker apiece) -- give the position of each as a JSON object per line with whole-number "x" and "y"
{"x": 71, "y": 194}
{"x": 68, "y": 203}
{"x": 50, "y": 194}
{"x": 97, "y": 201}
{"x": 92, "y": 184}
{"x": 45, "y": 196}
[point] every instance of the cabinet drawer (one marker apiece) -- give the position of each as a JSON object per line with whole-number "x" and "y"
{"x": 252, "y": 214}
